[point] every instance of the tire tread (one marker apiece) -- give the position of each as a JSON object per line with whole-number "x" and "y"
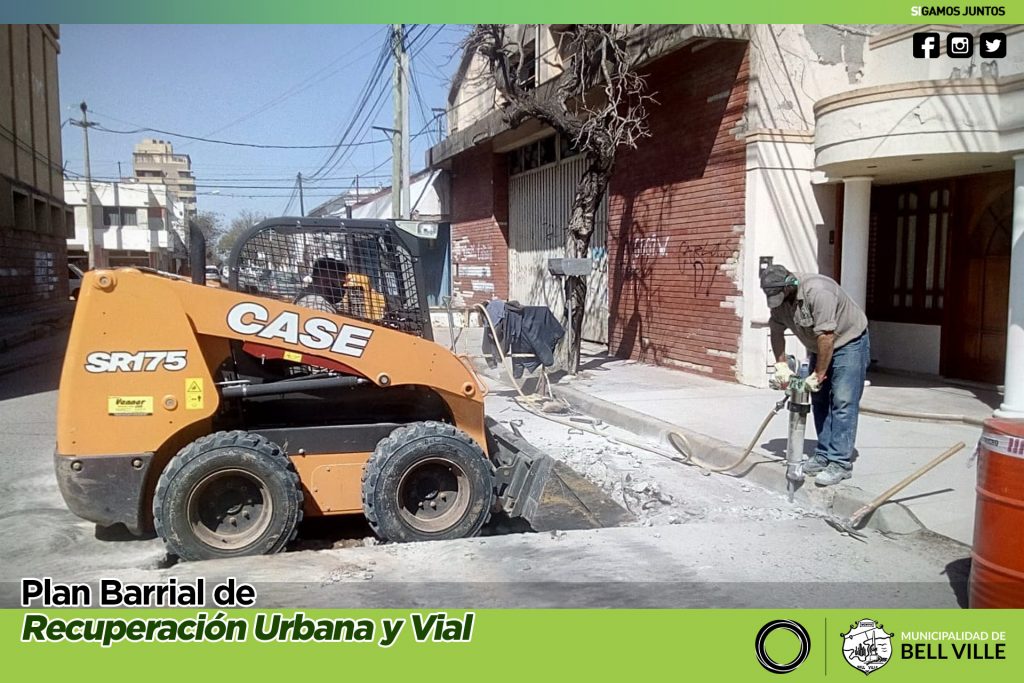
{"x": 217, "y": 440}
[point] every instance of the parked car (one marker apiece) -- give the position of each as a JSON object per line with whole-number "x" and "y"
{"x": 284, "y": 285}
{"x": 213, "y": 276}
{"x": 74, "y": 280}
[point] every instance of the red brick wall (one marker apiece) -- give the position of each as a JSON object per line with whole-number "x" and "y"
{"x": 33, "y": 270}
{"x": 479, "y": 225}
{"x": 676, "y": 214}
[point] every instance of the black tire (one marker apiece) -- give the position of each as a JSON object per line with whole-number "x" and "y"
{"x": 225, "y": 495}
{"x": 421, "y": 464}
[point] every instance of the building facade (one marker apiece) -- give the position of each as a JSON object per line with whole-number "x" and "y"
{"x": 154, "y": 162}
{"x": 824, "y": 148}
{"x": 34, "y": 220}
{"x": 135, "y": 224}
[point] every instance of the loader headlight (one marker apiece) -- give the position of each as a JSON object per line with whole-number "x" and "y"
{"x": 423, "y": 230}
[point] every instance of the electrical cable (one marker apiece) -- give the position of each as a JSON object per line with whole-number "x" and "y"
{"x": 232, "y": 143}
{"x": 303, "y": 85}
{"x": 288, "y": 206}
{"x": 372, "y": 83}
{"x": 429, "y": 40}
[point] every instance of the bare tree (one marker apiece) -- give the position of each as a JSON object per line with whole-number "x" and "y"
{"x": 239, "y": 224}
{"x": 599, "y": 103}
{"x": 210, "y": 224}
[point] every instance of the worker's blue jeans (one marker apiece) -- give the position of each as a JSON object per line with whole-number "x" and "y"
{"x": 836, "y": 404}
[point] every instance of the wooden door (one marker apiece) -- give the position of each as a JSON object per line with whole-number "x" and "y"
{"x": 974, "y": 339}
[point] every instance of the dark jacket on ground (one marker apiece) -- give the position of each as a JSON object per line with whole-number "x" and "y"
{"x": 527, "y": 329}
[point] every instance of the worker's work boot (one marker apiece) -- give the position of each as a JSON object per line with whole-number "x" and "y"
{"x": 831, "y": 475}
{"x": 814, "y": 465}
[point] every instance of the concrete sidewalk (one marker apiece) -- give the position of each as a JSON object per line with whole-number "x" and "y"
{"x": 719, "y": 418}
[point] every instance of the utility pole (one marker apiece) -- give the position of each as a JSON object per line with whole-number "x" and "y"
{"x": 400, "y": 133}
{"x": 302, "y": 200}
{"x": 404, "y": 132}
{"x": 90, "y": 242}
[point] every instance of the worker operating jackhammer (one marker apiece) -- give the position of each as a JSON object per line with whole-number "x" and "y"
{"x": 834, "y": 330}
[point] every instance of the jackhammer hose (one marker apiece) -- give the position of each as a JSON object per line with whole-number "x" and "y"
{"x": 678, "y": 441}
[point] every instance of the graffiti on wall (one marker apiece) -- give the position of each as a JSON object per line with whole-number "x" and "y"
{"x": 700, "y": 259}
{"x": 653, "y": 245}
{"x": 464, "y": 250}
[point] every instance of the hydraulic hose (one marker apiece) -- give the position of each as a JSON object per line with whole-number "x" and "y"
{"x": 681, "y": 444}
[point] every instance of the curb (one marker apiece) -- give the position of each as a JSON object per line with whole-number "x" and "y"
{"x": 840, "y": 501}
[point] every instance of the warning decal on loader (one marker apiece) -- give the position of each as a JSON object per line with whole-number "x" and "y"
{"x": 194, "y": 393}
{"x": 130, "y": 405}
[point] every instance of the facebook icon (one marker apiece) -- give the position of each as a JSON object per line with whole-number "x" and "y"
{"x": 926, "y": 45}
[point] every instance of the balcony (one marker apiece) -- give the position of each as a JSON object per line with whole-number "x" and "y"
{"x": 882, "y": 131}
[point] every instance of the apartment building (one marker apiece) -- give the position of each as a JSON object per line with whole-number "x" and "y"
{"x": 134, "y": 223}
{"x": 155, "y": 162}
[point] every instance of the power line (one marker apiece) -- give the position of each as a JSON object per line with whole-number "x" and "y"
{"x": 429, "y": 40}
{"x": 291, "y": 199}
{"x": 305, "y": 84}
{"x": 234, "y": 183}
{"x": 364, "y": 128}
{"x": 420, "y": 102}
{"x": 232, "y": 143}
{"x": 372, "y": 83}
{"x": 357, "y": 111}
{"x": 411, "y": 37}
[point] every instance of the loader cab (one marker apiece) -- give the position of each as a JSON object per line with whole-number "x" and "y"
{"x": 364, "y": 269}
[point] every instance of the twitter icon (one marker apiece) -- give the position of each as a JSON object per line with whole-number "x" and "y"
{"x": 992, "y": 45}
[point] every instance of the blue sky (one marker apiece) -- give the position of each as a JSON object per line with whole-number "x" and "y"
{"x": 239, "y": 83}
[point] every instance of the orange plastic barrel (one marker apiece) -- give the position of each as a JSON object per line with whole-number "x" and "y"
{"x": 997, "y": 558}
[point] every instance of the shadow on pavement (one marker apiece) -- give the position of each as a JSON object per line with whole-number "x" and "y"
{"x": 958, "y": 572}
{"x": 33, "y": 368}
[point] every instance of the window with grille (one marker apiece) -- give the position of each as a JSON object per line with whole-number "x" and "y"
{"x": 907, "y": 273}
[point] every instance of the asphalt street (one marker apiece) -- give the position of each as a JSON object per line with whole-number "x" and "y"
{"x": 698, "y": 541}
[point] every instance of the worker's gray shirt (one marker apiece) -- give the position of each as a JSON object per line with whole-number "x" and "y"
{"x": 821, "y": 306}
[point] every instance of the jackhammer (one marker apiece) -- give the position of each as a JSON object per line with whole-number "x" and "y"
{"x": 799, "y": 399}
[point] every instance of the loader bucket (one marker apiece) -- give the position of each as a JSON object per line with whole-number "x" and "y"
{"x": 544, "y": 492}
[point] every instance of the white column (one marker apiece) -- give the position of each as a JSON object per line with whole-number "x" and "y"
{"x": 856, "y": 219}
{"x": 1013, "y": 400}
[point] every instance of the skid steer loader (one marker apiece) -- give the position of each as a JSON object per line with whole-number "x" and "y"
{"x": 308, "y": 385}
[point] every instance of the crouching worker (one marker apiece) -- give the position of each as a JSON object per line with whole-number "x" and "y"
{"x": 835, "y": 332}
